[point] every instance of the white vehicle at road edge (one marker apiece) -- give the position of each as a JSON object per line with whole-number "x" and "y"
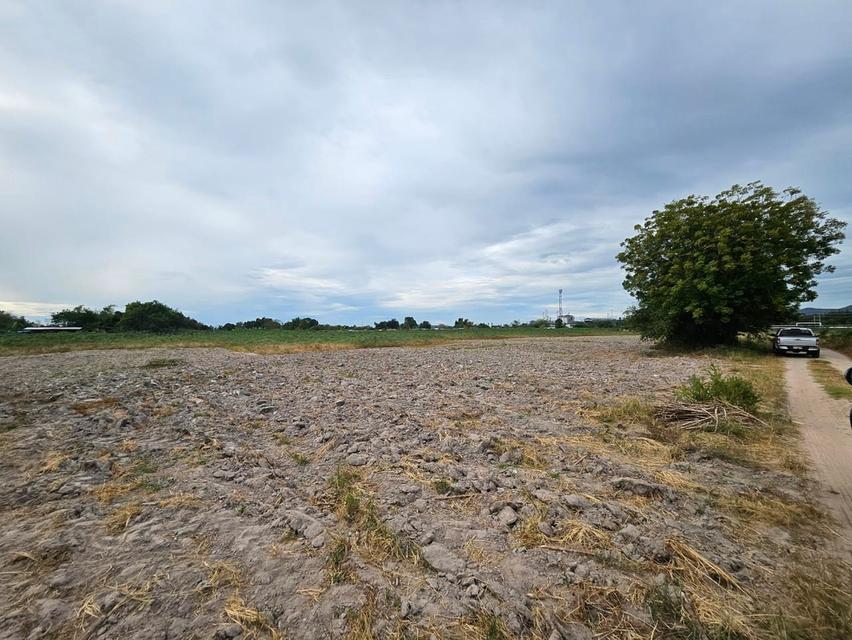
{"x": 795, "y": 340}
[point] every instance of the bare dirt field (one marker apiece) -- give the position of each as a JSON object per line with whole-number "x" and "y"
{"x": 476, "y": 490}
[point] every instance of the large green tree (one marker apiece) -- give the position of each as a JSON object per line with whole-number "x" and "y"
{"x": 702, "y": 270}
{"x": 155, "y": 316}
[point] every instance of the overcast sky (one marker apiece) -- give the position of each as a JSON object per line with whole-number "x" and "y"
{"x": 355, "y": 161}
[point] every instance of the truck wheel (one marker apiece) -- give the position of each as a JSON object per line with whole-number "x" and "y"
{"x": 814, "y": 354}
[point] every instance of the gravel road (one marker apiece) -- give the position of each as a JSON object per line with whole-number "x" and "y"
{"x": 827, "y": 437}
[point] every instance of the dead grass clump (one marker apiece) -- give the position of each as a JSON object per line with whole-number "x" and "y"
{"x": 605, "y": 609}
{"x": 300, "y": 459}
{"x": 567, "y": 534}
{"x": 820, "y": 608}
{"x": 773, "y": 510}
{"x": 476, "y": 553}
{"x": 223, "y": 574}
{"x": 690, "y": 563}
{"x": 120, "y": 518}
{"x": 88, "y": 609}
{"x": 109, "y": 491}
{"x": 485, "y": 625}
{"x": 529, "y": 454}
{"x": 677, "y": 481}
{"x": 708, "y": 599}
{"x": 628, "y": 411}
{"x": 159, "y": 363}
{"x": 635, "y": 450}
{"x": 53, "y": 462}
{"x": 715, "y": 416}
{"x": 181, "y": 501}
{"x": 251, "y": 620}
{"x": 93, "y": 405}
{"x": 363, "y": 623}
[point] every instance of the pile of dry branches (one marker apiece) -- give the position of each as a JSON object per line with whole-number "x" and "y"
{"x": 704, "y": 416}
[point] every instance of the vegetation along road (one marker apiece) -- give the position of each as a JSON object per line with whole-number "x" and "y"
{"x": 827, "y": 434}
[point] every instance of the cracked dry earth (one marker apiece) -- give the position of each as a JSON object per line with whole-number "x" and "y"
{"x": 406, "y": 492}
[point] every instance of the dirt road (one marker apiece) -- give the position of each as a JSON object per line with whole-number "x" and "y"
{"x": 827, "y": 437}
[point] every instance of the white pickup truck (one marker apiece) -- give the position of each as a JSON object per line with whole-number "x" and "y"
{"x": 796, "y": 340}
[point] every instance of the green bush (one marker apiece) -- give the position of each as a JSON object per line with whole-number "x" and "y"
{"x": 718, "y": 387}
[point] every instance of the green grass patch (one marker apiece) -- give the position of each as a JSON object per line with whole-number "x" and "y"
{"x": 718, "y": 387}
{"x": 160, "y": 363}
{"x": 300, "y": 459}
{"x": 830, "y": 379}
{"x": 627, "y": 411}
{"x": 271, "y": 340}
{"x": 442, "y": 486}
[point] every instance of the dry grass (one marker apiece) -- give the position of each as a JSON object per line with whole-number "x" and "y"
{"x": 53, "y": 462}
{"x": 775, "y": 511}
{"x": 713, "y": 603}
{"x": 109, "y": 491}
{"x": 276, "y": 349}
{"x": 830, "y": 379}
{"x": 625, "y": 412}
{"x": 821, "y": 597}
{"x": 223, "y": 574}
{"x": 715, "y": 416}
{"x": 475, "y": 551}
{"x": 678, "y": 481}
{"x": 530, "y": 455}
{"x": 181, "y": 501}
{"x": 88, "y": 609}
{"x": 88, "y": 407}
{"x": 485, "y": 625}
{"x": 568, "y": 534}
{"x": 625, "y": 448}
{"x": 118, "y": 520}
{"x": 605, "y": 609}
{"x": 253, "y": 622}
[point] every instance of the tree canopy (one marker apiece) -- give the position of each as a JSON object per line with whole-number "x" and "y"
{"x": 9, "y": 322}
{"x": 88, "y": 319}
{"x": 393, "y": 323}
{"x": 155, "y": 316}
{"x": 702, "y": 270}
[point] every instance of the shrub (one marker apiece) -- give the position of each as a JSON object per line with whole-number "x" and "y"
{"x": 721, "y": 388}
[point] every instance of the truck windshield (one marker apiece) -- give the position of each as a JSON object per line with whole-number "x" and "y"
{"x": 795, "y": 332}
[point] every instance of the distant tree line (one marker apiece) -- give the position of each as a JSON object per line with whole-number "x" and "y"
{"x": 154, "y": 316}
{"x": 269, "y": 323}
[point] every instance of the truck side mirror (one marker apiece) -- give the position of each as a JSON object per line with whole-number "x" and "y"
{"x": 848, "y": 375}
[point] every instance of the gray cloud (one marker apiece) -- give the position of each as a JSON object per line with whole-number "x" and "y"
{"x": 359, "y": 161}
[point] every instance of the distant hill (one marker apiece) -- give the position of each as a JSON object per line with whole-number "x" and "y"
{"x": 812, "y": 311}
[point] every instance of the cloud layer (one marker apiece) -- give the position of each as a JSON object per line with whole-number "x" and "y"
{"x": 355, "y": 161}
